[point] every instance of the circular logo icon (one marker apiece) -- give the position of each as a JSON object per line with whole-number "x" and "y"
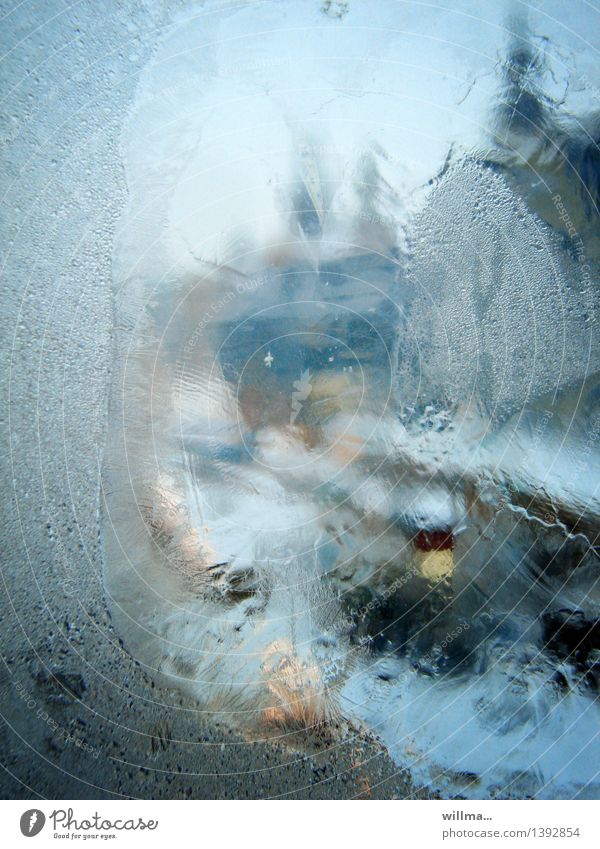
{"x": 32, "y": 822}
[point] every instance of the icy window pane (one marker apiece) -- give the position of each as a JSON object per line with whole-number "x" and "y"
{"x": 353, "y": 465}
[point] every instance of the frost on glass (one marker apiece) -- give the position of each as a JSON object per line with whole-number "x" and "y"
{"x": 353, "y": 465}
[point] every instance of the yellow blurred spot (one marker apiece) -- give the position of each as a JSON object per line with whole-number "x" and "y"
{"x": 436, "y": 565}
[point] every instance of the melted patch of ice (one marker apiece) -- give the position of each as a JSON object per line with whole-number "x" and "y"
{"x": 353, "y": 457}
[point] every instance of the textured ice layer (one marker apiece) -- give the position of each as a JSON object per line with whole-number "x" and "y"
{"x": 353, "y": 468}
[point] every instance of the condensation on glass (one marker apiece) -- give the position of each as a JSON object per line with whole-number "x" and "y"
{"x": 353, "y": 463}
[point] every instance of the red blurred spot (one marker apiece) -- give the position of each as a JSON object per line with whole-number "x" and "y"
{"x": 434, "y": 540}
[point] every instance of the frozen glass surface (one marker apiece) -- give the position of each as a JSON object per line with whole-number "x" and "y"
{"x": 353, "y": 465}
